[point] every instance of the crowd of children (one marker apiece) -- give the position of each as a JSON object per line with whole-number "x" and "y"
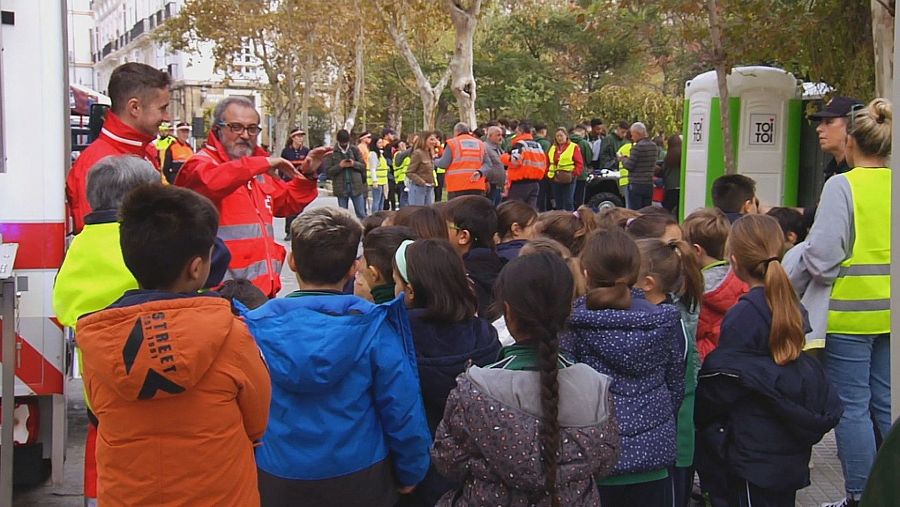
{"x": 461, "y": 354}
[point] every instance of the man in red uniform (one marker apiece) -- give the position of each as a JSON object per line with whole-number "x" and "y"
{"x": 242, "y": 181}
{"x": 140, "y": 102}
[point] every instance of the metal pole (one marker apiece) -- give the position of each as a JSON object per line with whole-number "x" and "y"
{"x": 895, "y": 246}
{"x": 7, "y": 311}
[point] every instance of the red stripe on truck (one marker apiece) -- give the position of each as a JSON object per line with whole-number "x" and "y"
{"x": 34, "y": 370}
{"x": 41, "y": 245}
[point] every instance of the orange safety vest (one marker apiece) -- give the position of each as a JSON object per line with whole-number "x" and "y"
{"x": 527, "y": 161}
{"x": 467, "y": 157}
{"x": 180, "y": 151}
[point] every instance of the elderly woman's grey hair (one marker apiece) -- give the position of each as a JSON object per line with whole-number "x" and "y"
{"x": 112, "y": 178}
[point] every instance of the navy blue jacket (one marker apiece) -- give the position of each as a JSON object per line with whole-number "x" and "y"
{"x": 756, "y": 418}
{"x": 483, "y": 265}
{"x": 510, "y": 250}
{"x": 642, "y": 349}
{"x": 443, "y": 350}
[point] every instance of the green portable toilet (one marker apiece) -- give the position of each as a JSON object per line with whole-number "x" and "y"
{"x": 766, "y": 116}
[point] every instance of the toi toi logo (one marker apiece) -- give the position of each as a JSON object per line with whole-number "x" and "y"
{"x": 697, "y": 130}
{"x": 762, "y": 129}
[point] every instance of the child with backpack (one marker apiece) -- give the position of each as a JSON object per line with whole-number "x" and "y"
{"x": 761, "y": 403}
{"x": 615, "y": 330}
{"x": 446, "y": 333}
{"x": 670, "y": 275}
{"x": 534, "y": 428}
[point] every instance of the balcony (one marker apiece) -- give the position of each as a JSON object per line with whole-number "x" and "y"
{"x": 137, "y": 30}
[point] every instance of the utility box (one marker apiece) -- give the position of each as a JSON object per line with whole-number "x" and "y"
{"x": 766, "y": 117}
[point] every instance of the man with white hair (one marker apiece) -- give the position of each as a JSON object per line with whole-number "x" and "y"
{"x": 242, "y": 181}
{"x": 466, "y": 160}
{"x": 640, "y": 164}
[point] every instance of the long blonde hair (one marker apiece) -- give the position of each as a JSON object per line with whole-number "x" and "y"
{"x": 756, "y": 244}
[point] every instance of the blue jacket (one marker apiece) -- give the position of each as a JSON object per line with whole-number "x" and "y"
{"x": 345, "y": 390}
{"x": 642, "y": 349}
{"x": 756, "y": 419}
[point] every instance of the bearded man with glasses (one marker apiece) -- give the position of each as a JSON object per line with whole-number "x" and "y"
{"x": 243, "y": 182}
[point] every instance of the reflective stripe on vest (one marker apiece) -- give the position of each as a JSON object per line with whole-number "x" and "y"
{"x": 529, "y": 162}
{"x": 467, "y": 158}
{"x": 566, "y": 162}
{"x": 252, "y": 271}
{"x": 243, "y": 231}
{"x": 861, "y": 294}
{"x": 624, "y": 151}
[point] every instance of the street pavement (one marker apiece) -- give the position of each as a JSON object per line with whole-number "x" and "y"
{"x": 825, "y": 474}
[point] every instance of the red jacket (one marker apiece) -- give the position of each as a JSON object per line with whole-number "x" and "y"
{"x": 247, "y": 198}
{"x": 116, "y": 138}
{"x": 716, "y": 304}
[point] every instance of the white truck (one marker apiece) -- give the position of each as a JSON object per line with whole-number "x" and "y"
{"x": 34, "y": 157}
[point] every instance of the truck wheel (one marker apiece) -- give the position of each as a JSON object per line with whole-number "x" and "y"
{"x": 605, "y": 200}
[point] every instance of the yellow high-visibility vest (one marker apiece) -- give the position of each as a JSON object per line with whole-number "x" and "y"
{"x": 861, "y": 294}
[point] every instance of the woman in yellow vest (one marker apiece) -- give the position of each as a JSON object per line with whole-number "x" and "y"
{"x": 378, "y": 174}
{"x": 849, "y": 248}
{"x": 566, "y": 163}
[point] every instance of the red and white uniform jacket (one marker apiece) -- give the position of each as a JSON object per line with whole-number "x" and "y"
{"x": 247, "y": 198}
{"x": 116, "y": 138}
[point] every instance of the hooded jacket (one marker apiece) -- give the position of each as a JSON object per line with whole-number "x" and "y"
{"x": 116, "y": 138}
{"x": 247, "y": 198}
{"x": 755, "y": 417}
{"x": 642, "y": 351}
{"x": 721, "y": 292}
{"x": 181, "y": 394}
{"x": 489, "y": 439}
{"x": 345, "y": 391}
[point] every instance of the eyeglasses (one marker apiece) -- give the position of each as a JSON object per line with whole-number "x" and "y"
{"x": 852, "y": 115}
{"x": 238, "y": 128}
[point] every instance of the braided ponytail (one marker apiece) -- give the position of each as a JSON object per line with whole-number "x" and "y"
{"x": 548, "y": 353}
{"x": 536, "y": 292}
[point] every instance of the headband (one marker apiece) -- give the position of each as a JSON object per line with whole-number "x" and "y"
{"x": 400, "y": 260}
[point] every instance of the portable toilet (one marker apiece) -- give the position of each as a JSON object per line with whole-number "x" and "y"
{"x": 766, "y": 116}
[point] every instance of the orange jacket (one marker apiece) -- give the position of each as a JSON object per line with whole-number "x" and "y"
{"x": 247, "y": 198}
{"x": 115, "y": 138}
{"x": 526, "y": 161}
{"x": 467, "y": 154}
{"x": 181, "y": 394}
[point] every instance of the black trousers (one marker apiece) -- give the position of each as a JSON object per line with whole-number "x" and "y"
{"x": 646, "y": 494}
{"x": 439, "y": 187}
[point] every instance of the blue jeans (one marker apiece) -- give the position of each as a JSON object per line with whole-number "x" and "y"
{"x": 859, "y": 367}
{"x": 641, "y": 196}
{"x": 404, "y": 195}
{"x": 359, "y": 204}
{"x": 420, "y": 195}
{"x": 495, "y": 194}
{"x": 564, "y": 195}
{"x": 377, "y": 198}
